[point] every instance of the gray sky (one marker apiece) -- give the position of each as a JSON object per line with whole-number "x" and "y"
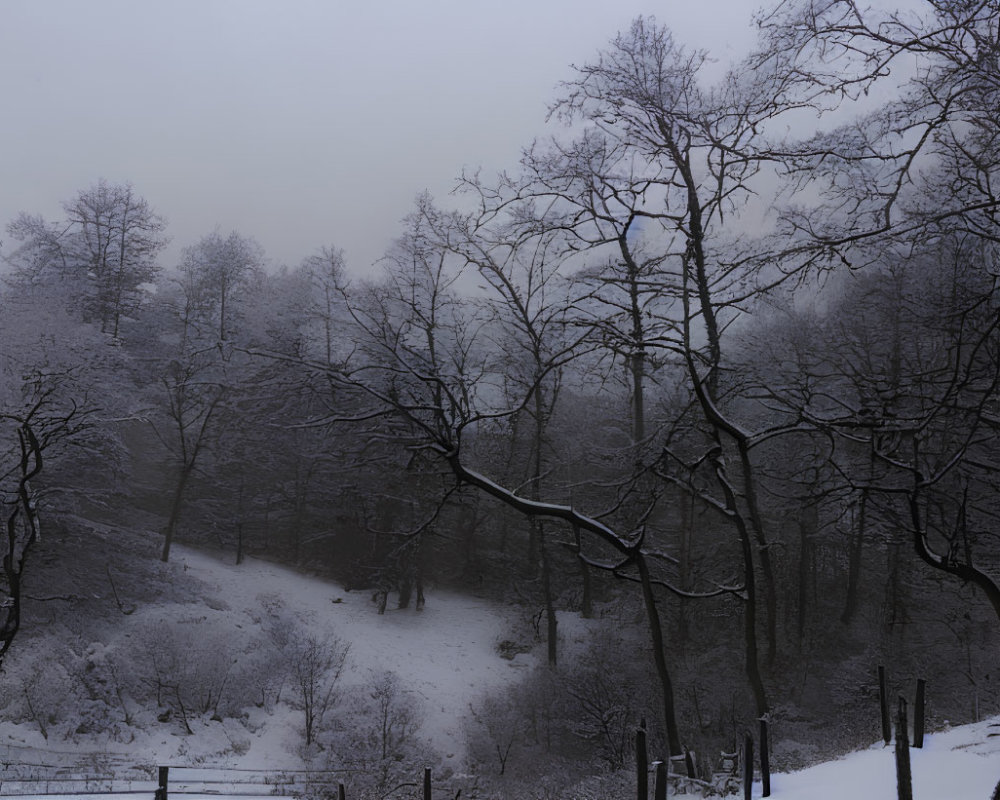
{"x": 298, "y": 122}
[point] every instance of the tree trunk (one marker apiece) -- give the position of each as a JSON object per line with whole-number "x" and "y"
{"x": 763, "y": 549}
{"x": 765, "y": 759}
{"x": 752, "y": 658}
{"x": 918, "y": 714}
{"x": 175, "y": 510}
{"x": 538, "y": 530}
{"x": 883, "y": 703}
{"x": 747, "y": 767}
{"x": 587, "y": 602}
{"x": 687, "y": 521}
{"x": 551, "y": 620}
{"x": 808, "y": 528}
{"x": 659, "y": 657}
{"x": 854, "y": 562}
{"x": 752, "y": 662}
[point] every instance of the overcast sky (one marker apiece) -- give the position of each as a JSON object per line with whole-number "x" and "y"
{"x": 301, "y": 123}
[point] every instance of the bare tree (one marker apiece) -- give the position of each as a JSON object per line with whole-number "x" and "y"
{"x": 526, "y": 312}
{"x": 433, "y": 376}
{"x": 194, "y": 395}
{"x": 325, "y": 271}
{"x": 46, "y": 421}
{"x": 909, "y": 182}
{"x": 316, "y": 667}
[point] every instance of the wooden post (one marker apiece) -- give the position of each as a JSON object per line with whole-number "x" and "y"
{"x": 341, "y": 792}
{"x": 689, "y": 763}
{"x": 918, "y": 714}
{"x": 884, "y": 706}
{"x": 660, "y": 787}
{"x": 765, "y": 759}
{"x": 747, "y": 766}
{"x": 161, "y": 788}
{"x": 904, "y": 781}
{"x": 641, "y": 765}
{"x": 427, "y": 783}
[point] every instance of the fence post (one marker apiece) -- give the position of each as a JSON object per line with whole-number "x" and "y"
{"x": 427, "y": 783}
{"x": 660, "y": 787}
{"x": 884, "y": 706}
{"x": 918, "y": 714}
{"x": 641, "y": 765}
{"x": 689, "y": 763}
{"x": 904, "y": 781}
{"x": 765, "y": 759}
{"x": 341, "y": 792}
{"x": 161, "y": 788}
{"x": 747, "y": 766}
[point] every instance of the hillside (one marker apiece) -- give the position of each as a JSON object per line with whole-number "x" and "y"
{"x": 444, "y": 655}
{"x": 74, "y": 685}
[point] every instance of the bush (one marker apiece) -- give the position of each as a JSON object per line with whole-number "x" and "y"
{"x": 202, "y": 666}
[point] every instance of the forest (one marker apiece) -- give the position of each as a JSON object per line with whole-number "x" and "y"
{"x": 718, "y": 362}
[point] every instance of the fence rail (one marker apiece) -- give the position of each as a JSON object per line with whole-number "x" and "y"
{"x": 43, "y": 781}
{"x": 108, "y": 782}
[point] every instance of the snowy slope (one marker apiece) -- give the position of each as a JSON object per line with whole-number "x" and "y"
{"x": 445, "y": 656}
{"x": 959, "y": 764}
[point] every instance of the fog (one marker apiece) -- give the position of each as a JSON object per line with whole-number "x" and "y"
{"x": 304, "y": 123}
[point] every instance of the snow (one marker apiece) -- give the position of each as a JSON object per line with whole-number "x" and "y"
{"x": 444, "y": 654}
{"x": 960, "y": 764}
{"x": 446, "y": 657}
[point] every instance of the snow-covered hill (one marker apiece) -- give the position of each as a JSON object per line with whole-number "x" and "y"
{"x": 445, "y": 654}
{"x": 446, "y": 657}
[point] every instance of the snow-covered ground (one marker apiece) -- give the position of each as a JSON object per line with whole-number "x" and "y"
{"x": 959, "y": 764}
{"x": 446, "y": 657}
{"x": 445, "y": 654}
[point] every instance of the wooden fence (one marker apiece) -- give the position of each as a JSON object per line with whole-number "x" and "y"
{"x": 40, "y": 781}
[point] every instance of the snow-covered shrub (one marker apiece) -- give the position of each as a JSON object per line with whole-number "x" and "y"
{"x": 392, "y": 717}
{"x": 194, "y": 667}
{"x": 493, "y": 732}
{"x": 607, "y": 700}
{"x": 515, "y": 731}
{"x": 100, "y": 671}
{"x": 50, "y": 696}
{"x": 40, "y": 689}
{"x": 379, "y": 739}
{"x": 582, "y": 715}
{"x": 315, "y": 666}
{"x": 264, "y": 671}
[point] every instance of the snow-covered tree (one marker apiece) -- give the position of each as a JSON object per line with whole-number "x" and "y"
{"x": 101, "y": 260}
